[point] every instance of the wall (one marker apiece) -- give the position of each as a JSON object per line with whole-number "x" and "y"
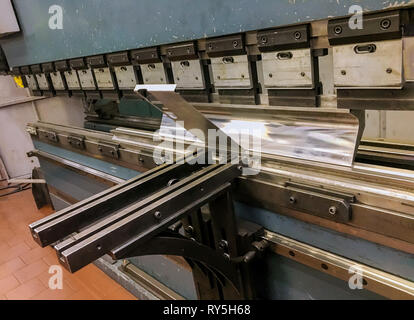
{"x": 17, "y": 109}
{"x": 14, "y": 141}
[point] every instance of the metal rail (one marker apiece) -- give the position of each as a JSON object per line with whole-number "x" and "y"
{"x": 374, "y": 280}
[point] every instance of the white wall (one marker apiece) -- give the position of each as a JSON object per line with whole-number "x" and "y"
{"x": 15, "y": 142}
{"x": 61, "y": 110}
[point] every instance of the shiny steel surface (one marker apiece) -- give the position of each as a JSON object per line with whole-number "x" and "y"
{"x": 327, "y": 136}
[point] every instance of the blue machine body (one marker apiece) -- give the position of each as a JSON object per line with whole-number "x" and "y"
{"x": 103, "y": 26}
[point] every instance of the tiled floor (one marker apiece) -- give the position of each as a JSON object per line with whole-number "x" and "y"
{"x": 24, "y": 266}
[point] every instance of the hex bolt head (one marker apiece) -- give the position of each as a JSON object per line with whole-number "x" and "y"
{"x": 297, "y": 35}
{"x": 157, "y": 215}
{"x": 332, "y": 210}
{"x": 223, "y": 244}
{"x": 227, "y": 256}
{"x": 235, "y": 43}
{"x": 189, "y": 229}
{"x": 263, "y": 39}
{"x": 292, "y": 200}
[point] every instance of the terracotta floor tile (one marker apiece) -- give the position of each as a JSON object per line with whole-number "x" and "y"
{"x": 5, "y": 231}
{"x": 120, "y": 294}
{"x": 31, "y": 243}
{"x": 17, "y": 239}
{"x": 27, "y": 290}
{"x": 31, "y": 271}
{"x": 34, "y": 255}
{"x": 11, "y": 266}
{"x": 82, "y": 295}
{"x": 68, "y": 280}
{"x": 57, "y": 294}
{"x": 97, "y": 280}
{"x": 24, "y": 266}
{"x": 4, "y": 246}
{"x": 7, "y": 284}
{"x": 51, "y": 258}
{"x": 13, "y": 252}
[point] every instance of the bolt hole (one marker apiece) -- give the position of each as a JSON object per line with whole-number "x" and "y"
{"x": 338, "y": 30}
{"x": 291, "y": 253}
{"x": 324, "y": 266}
{"x": 364, "y": 282}
{"x": 385, "y": 24}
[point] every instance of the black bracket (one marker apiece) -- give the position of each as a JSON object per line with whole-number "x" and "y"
{"x": 376, "y": 27}
{"x": 296, "y": 37}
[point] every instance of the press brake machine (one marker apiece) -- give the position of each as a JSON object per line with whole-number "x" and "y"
{"x": 322, "y": 202}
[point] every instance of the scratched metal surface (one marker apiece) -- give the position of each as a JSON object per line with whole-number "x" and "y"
{"x": 100, "y": 26}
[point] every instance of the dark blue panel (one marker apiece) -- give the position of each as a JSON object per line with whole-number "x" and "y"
{"x": 69, "y": 182}
{"x": 99, "y": 26}
{"x": 283, "y": 279}
{"x": 169, "y": 273}
{"x": 369, "y": 253}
